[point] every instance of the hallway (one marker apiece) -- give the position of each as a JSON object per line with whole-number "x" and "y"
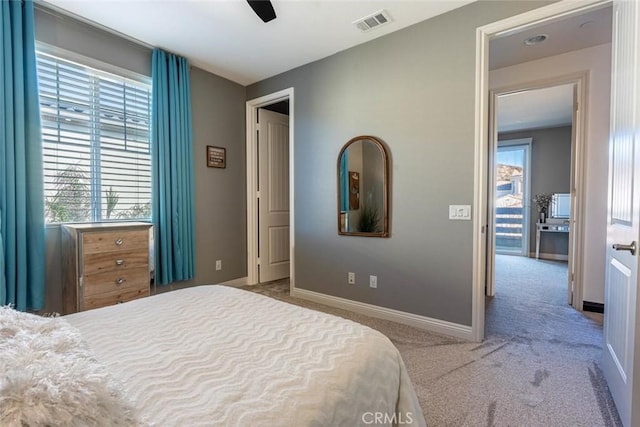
{"x": 531, "y": 301}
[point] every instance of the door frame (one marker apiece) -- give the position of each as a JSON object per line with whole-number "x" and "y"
{"x": 252, "y": 107}
{"x": 577, "y": 180}
{"x": 484, "y": 34}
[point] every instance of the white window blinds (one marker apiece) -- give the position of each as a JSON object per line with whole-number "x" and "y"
{"x": 96, "y": 138}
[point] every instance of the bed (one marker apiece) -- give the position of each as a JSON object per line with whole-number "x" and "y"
{"x": 219, "y": 356}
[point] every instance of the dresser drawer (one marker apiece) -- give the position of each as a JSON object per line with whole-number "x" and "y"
{"x": 110, "y": 298}
{"x": 115, "y": 261}
{"x": 114, "y": 281}
{"x": 119, "y": 240}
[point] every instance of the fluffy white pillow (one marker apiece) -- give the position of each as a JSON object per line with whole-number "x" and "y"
{"x": 48, "y": 377}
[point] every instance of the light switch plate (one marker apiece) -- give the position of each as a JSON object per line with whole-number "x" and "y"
{"x": 460, "y": 212}
{"x": 373, "y": 281}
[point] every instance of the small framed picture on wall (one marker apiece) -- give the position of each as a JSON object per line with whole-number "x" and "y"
{"x": 216, "y": 157}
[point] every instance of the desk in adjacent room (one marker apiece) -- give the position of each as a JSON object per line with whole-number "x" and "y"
{"x": 549, "y": 228}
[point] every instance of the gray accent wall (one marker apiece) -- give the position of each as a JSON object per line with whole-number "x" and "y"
{"x": 415, "y": 90}
{"x": 550, "y": 173}
{"x": 218, "y": 107}
{"x": 79, "y": 37}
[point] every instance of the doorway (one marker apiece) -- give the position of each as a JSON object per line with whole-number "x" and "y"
{"x": 568, "y": 71}
{"x": 534, "y": 155}
{"x": 270, "y": 188}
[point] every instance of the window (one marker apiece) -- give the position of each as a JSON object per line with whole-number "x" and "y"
{"x": 513, "y": 172}
{"x": 96, "y": 140}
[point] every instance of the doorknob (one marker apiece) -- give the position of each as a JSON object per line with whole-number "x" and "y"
{"x": 631, "y": 248}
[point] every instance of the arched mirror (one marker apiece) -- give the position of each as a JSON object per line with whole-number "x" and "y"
{"x": 363, "y": 188}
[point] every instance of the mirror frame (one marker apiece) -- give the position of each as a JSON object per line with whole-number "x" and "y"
{"x": 385, "y": 199}
{"x": 554, "y": 205}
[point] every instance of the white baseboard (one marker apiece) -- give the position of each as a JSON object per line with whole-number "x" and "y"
{"x": 421, "y": 322}
{"x": 552, "y": 257}
{"x": 235, "y": 283}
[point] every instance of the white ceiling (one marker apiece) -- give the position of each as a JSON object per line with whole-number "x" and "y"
{"x": 534, "y": 109}
{"x": 547, "y": 107}
{"x": 564, "y": 35}
{"x": 225, "y": 37}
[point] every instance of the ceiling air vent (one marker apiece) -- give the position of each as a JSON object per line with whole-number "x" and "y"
{"x": 374, "y": 20}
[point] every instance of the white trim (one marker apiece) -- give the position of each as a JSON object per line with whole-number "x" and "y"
{"x": 577, "y": 230}
{"x": 551, "y": 257}
{"x": 518, "y": 141}
{"x": 235, "y": 283}
{"x": 513, "y": 24}
{"x": 479, "y": 219}
{"x": 421, "y": 322}
{"x": 252, "y": 179}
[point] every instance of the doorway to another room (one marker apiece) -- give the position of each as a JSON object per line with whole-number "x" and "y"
{"x": 535, "y": 187}
{"x": 270, "y": 188}
{"x": 511, "y": 59}
{"x": 535, "y": 174}
{"x": 533, "y": 159}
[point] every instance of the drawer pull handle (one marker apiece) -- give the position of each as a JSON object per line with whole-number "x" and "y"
{"x": 120, "y": 281}
{"x": 119, "y": 262}
{"x": 119, "y": 242}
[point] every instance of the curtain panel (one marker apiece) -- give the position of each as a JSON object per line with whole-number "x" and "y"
{"x": 3, "y": 281}
{"x": 22, "y": 229}
{"x": 344, "y": 182}
{"x": 172, "y": 173}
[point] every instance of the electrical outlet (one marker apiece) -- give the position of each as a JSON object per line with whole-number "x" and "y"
{"x": 373, "y": 281}
{"x": 218, "y": 265}
{"x": 351, "y": 278}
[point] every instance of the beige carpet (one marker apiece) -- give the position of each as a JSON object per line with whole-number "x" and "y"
{"x": 537, "y": 367}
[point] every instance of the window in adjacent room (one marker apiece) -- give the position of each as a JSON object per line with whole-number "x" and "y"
{"x": 513, "y": 174}
{"x": 96, "y": 140}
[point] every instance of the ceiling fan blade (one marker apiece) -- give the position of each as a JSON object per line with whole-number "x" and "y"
{"x": 263, "y": 9}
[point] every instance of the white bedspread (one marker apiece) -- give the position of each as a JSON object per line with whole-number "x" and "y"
{"x": 218, "y": 356}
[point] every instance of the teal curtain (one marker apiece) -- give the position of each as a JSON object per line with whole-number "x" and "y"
{"x": 3, "y": 281}
{"x": 344, "y": 182}
{"x": 172, "y": 160}
{"x": 21, "y": 181}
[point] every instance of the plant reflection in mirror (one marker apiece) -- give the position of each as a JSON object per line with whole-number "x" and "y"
{"x": 369, "y": 216}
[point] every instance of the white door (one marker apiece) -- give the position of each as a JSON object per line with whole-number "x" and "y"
{"x": 621, "y": 353}
{"x": 273, "y": 199}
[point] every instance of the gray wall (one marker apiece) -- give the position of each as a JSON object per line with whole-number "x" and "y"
{"x": 550, "y": 173}
{"x": 414, "y": 89}
{"x": 67, "y": 33}
{"x": 218, "y": 119}
{"x": 221, "y": 204}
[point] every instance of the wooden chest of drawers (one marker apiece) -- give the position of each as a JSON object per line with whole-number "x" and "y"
{"x": 105, "y": 264}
